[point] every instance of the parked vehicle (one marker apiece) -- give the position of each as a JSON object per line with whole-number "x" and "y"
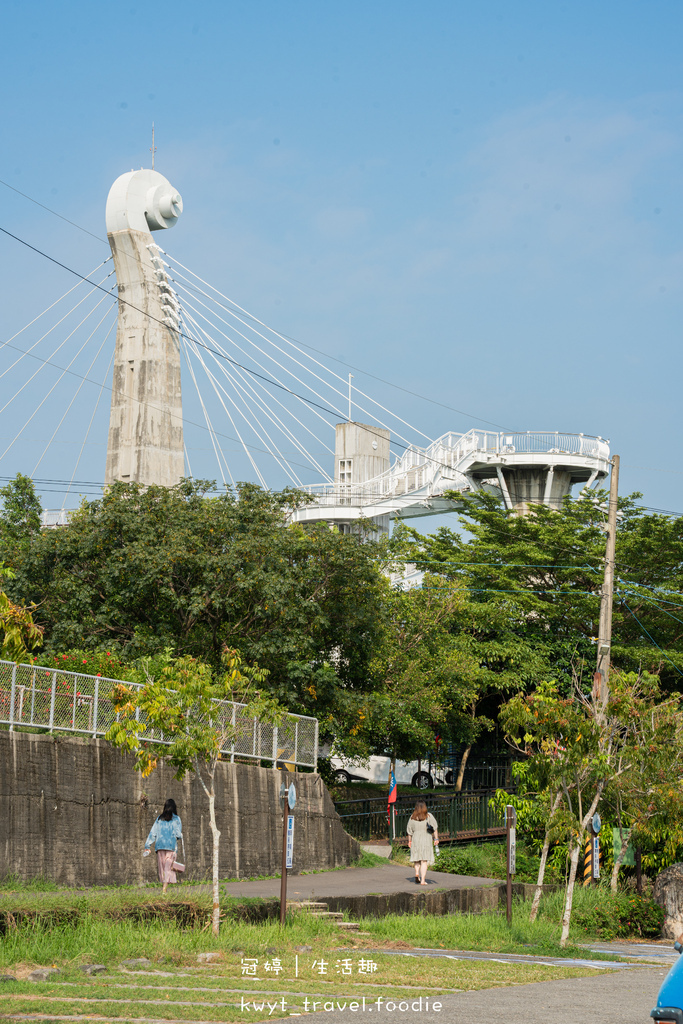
{"x": 422, "y": 775}
{"x": 669, "y": 1008}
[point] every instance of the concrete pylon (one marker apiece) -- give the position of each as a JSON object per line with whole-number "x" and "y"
{"x": 146, "y": 421}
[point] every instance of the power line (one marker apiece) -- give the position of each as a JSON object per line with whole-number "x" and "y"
{"x": 53, "y": 212}
{"x": 217, "y": 354}
{"x": 501, "y": 565}
{"x": 312, "y": 348}
{"x": 632, "y": 613}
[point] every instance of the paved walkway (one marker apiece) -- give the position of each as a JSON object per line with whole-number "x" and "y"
{"x": 624, "y": 997}
{"x": 385, "y": 879}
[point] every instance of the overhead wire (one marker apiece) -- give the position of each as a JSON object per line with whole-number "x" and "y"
{"x": 218, "y": 451}
{"x": 287, "y": 341}
{"x": 26, "y": 352}
{"x": 272, "y": 416}
{"x": 77, "y": 392}
{"x": 646, "y": 631}
{"x": 215, "y": 344}
{"x": 87, "y": 433}
{"x": 398, "y": 387}
{"x": 241, "y": 411}
{"x": 407, "y": 447}
{"x": 60, "y": 378}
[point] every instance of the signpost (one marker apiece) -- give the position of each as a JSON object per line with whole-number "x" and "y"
{"x": 511, "y": 836}
{"x": 596, "y": 825}
{"x": 290, "y": 840}
{"x": 287, "y": 796}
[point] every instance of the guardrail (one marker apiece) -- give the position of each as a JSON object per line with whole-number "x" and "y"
{"x": 459, "y": 816}
{"x": 36, "y": 698}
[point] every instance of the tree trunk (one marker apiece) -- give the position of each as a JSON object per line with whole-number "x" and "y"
{"x": 544, "y": 858}
{"x": 216, "y": 915}
{"x": 573, "y": 864}
{"x": 621, "y": 858}
{"x": 461, "y": 769}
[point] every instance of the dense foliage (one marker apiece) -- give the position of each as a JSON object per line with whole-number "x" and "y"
{"x": 142, "y": 570}
{"x": 537, "y": 578}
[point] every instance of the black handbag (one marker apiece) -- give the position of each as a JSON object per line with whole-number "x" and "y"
{"x": 430, "y": 829}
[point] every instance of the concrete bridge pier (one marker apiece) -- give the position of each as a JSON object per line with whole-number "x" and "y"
{"x": 522, "y": 488}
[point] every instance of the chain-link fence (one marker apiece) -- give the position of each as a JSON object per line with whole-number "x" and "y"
{"x": 39, "y": 699}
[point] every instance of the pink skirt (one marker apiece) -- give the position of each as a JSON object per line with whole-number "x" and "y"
{"x": 165, "y": 862}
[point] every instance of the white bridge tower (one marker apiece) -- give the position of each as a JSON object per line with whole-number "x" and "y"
{"x": 146, "y": 421}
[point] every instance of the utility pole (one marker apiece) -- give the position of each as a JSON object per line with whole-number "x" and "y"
{"x": 350, "y": 379}
{"x": 153, "y": 148}
{"x": 601, "y": 678}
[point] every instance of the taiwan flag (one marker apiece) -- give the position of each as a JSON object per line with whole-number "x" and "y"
{"x": 393, "y": 789}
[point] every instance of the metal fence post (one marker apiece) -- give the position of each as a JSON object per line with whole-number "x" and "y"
{"x": 274, "y": 751}
{"x": 33, "y": 694}
{"x": 12, "y": 698}
{"x": 96, "y": 708}
{"x": 53, "y": 695}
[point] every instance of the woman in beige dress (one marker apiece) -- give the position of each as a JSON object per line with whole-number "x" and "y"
{"x": 421, "y": 840}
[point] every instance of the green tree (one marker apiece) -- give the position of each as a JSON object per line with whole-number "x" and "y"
{"x": 543, "y": 573}
{"x": 20, "y": 634}
{"x": 143, "y": 569}
{"x": 441, "y": 665}
{"x": 21, "y": 512}
{"x": 588, "y": 752}
{"x": 180, "y": 704}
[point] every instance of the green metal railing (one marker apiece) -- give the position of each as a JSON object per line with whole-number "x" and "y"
{"x": 459, "y": 816}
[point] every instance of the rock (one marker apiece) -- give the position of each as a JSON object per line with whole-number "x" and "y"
{"x": 6, "y": 977}
{"x": 140, "y": 962}
{"x": 207, "y": 958}
{"x": 271, "y": 950}
{"x": 668, "y": 893}
{"x": 93, "y": 968}
{"x": 43, "y": 973}
{"x": 303, "y": 949}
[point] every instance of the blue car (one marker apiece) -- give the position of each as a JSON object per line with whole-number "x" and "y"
{"x": 669, "y": 1008}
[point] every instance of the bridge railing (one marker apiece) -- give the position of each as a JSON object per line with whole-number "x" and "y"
{"x": 36, "y": 698}
{"x": 417, "y": 467}
{"x": 458, "y": 815}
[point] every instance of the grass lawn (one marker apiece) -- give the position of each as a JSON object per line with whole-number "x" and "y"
{"x": 259, "y": 972}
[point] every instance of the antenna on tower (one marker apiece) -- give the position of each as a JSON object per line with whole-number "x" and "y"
{"x": 152, "y": 148}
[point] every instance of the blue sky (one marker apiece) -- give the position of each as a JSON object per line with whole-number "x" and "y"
{"x": 478, "y": 202}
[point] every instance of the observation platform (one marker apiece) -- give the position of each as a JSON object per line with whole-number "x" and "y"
{"x": 521, "y": 469}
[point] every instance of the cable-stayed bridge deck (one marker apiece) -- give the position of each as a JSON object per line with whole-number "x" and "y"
{"x": 520, "y": 468}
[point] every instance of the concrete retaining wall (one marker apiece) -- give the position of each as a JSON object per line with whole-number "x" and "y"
{"x": 76, "y": 812}
{"x": 446, "y": 901}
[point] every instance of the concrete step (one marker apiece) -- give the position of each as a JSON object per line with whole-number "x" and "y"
{"x": 348, "y": 926}
{"x": 333, "y": 915}
{"x": 306, "y": 905}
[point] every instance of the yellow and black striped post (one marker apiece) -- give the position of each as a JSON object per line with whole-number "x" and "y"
{"x": 588, "y": 860}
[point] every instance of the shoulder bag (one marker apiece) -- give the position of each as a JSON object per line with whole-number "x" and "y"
{"x": 177, "y": 866}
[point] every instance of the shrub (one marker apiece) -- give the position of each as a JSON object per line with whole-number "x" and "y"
{"x": 488, "y": 860}
{"x": 91, "y": 663}
{"x": 618, "y": 915}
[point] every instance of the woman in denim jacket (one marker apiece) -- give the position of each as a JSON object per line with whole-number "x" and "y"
{"x": 164, "y": 834}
